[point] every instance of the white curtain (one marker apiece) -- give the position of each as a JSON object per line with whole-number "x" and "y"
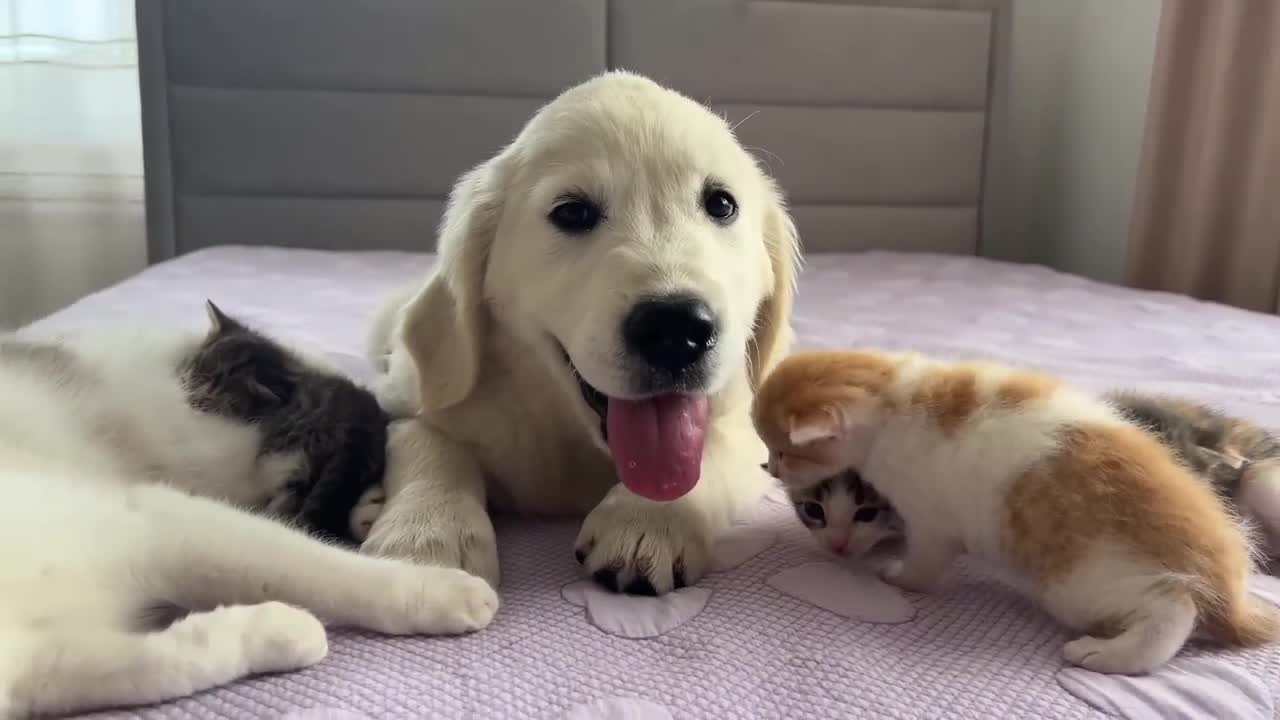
{"x": 71, "y": 210}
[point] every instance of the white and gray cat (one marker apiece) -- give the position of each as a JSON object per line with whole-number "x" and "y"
{"x": 109, "y": 475}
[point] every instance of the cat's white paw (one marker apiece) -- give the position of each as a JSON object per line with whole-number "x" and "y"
{"x": 1110, "y": 655}
{"x": 280, "y": 637}
{"x": 900, "y": 575}
{"x": 633, "y": 545}
{"x": 437, "y": 601}
{"x": 464, "y": 539}
{"x": 1091, "y": 653}
{"x": 366, "y": 512}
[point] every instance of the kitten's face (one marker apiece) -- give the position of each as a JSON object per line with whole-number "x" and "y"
{"x": 846, "y": 515}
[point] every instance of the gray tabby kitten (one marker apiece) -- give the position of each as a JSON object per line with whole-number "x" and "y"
{"x": 325, "y": 435}
{"x": 1240, "y": 459}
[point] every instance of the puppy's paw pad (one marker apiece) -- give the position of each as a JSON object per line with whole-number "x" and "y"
{"x": 281, "y": 637}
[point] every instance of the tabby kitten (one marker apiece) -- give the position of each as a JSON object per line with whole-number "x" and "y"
{"x": 1114, "y": 537}
{"x": 1239, "y": 459}
{"x": 845, "y": 514}
{"x": 324, "y": 435}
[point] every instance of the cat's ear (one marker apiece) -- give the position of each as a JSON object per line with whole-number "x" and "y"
{"x": 219, "y": 322}
{"x": 828, "y": 422}
{"x": 217, "y": 319}
{"x": 809, "y": 430}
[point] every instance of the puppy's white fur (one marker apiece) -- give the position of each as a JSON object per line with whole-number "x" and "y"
{"x": 100, "y": 459}
{"x": 501, "y": 419}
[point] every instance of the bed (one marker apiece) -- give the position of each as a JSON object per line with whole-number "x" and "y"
{"x": 892, "y": 158}
{"x": 777, "y": 631}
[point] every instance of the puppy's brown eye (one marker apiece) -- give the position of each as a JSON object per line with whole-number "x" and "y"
{"x": 720, "y": 205}
{"x": 575, "y": 216}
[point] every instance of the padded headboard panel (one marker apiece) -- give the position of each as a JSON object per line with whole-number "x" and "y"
{"x": 342, "y": 125}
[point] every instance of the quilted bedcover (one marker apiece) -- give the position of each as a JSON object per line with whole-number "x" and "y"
{"x": 777, "y": 631}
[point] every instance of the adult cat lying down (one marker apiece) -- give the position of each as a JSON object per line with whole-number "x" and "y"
{"x": 100, "y": 458}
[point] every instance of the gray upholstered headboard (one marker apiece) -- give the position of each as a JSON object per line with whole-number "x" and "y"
{"x": 342, "y": 124}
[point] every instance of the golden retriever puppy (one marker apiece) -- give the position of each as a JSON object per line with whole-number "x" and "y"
{"x": 609, "y": 288}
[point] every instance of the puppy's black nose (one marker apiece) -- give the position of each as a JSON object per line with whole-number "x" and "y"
{"x": 670, "y": 333}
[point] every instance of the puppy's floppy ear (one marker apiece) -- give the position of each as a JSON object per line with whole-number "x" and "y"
{"x": 772, "y": 335}
{"x": 443, "y": 326}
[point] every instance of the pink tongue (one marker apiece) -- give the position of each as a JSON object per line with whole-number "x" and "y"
{"x": 656, "y": 443}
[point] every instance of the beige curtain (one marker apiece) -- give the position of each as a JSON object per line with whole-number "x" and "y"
{"x": 1206, "y": 217}
{"x": 72, "y": 216}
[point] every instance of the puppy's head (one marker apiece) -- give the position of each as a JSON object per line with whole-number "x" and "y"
{"x": 629, "y": 240}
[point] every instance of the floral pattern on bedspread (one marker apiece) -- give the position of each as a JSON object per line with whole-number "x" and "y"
{"x": 764, "y": 635}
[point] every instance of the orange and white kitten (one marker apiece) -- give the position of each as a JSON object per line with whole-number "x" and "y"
{"x": 1114, "y": 536}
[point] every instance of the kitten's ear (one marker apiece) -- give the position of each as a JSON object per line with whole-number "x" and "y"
{"x": 828, "y": 422}
{"x": 825, "y": 423}
{"x": 807, "y": 432}
{"x": 219, "y": 322}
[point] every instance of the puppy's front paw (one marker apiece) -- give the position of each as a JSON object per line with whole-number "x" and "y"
{"x": 640, "y": 547}
{"x": 463, "y": 539}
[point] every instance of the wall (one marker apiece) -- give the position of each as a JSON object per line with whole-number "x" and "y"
{"x": 1078, "y": 73}
{"x": 71, "y": 211}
